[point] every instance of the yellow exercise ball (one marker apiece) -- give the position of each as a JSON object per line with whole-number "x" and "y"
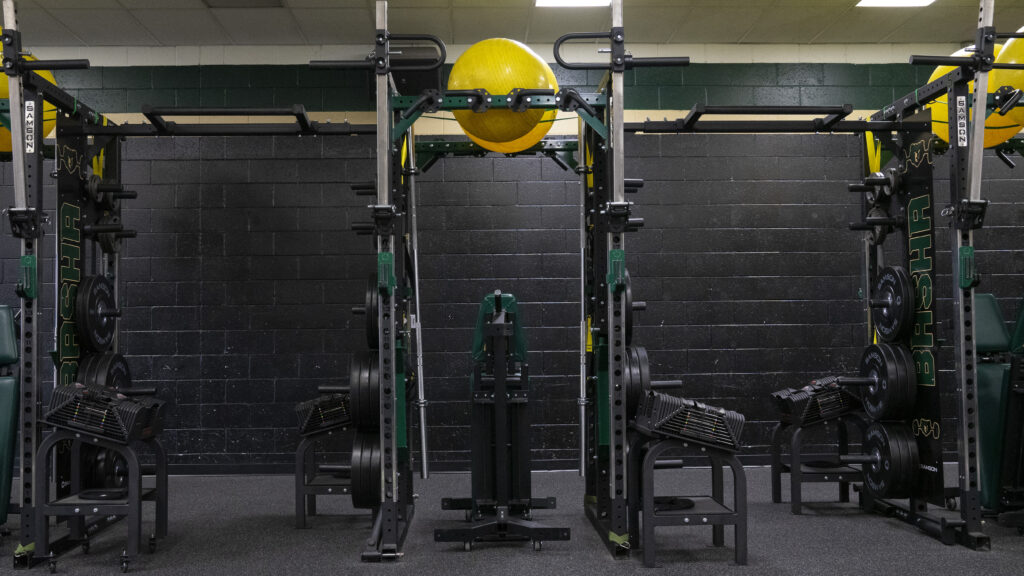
{"x": 498, "y": 65}
{"x": 998, "y": 129}
{"x": 1012, "y": 53}
{"x": 49, "y": 110}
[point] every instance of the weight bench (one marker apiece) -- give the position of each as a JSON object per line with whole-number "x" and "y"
{"x": 665, "y": 423}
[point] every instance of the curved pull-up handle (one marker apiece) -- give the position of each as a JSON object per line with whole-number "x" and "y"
{"x": 579, "y": 36}
{"x": 628, "y": 61}
{"x": 437, "y": 63}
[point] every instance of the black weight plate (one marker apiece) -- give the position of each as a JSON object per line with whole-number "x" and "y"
{"x": 372, "y": 304}
{"x": 632, "y": 381}
{"x": 364, "y": 391}
{"x": 903, "y": 437}
{"x": 109, "y": 242}
{"x": 894, "y": 397}
{"x": 879, "y": 362}
{"x": 643, "y": 367}
{"x": 94, "y": 300}
{"x": 879, "y": 476}
{"x": 893, "y": 320}
{"x": 893, "y": 474}
{"x": 628, "y": 295}
{"x": 85, "y": 367}
{"x": 366, "y": 466}
{"x": 110, "y": 369}
{"x": 908, "y": 386}
{"x": 909, "y": 309}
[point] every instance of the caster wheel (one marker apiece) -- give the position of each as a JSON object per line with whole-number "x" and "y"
{"x": 124, "y": 566}
{"x": 537, "y": 545}
{"x": 85, "y": 547}
{"x": 53, "y": 567}
{"x": 152, "y": 544}
{"x": 124, "y": 561}
{"x": 951, "y": 504}
{"x": 467, "y": 546}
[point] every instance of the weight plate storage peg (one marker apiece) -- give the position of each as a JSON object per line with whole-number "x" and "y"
{"x": 366, "y": 470}
{"x": 887, "y": 381}
{"x": 96, "y": 312}
{"x": 892, "y": 304}
{"x": 891, "y": 460}
{"x": 364, "y": 391}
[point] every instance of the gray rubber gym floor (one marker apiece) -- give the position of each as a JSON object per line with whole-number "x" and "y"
{"x": 222, "y": 525}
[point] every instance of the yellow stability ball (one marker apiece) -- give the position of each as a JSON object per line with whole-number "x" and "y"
{"x": 498, "y": 65}
{"x": 998, "y": 129}
{"x": 49, "y": 111}
{"x": 1012, "y": 53}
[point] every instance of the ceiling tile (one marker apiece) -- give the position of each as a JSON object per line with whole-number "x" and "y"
{"x": 39, "y": 28}
{"x": 715, "y": 25}
{"x": 421, "y": 21}
{"x": 861, "y": 26}
{"x": 163, "y": 4}
{"x": 328, "y": 4}
{"x": 183, "y": 27}
{"x": 260, "y": 25}
{"x": 336, "y": 26}
{"x": 657, "y": 24}
{"x": 950, "y": 24}
{"x": 547, "y": 24}
{"x": 800, "y": 25}
{"x": 474, "y": 24}
{"x": 105, "y": 27}
{"x": 76, "y": 4}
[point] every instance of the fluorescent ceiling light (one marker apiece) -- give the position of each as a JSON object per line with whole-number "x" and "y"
{"x": 572, "y": 3}
{"x": 894, "y": 3}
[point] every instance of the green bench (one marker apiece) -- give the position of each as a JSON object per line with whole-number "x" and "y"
{"x": 994, "y": 346}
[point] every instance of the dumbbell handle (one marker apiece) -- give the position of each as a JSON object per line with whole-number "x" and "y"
{"x": 333, "y": 389}
{"x": 857, "y": 380}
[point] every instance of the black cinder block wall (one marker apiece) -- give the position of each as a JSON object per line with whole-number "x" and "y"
{"x": 238, "y": 289}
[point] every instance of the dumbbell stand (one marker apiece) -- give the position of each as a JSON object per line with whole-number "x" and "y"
{"x": 78, "y": 510}
{"x": 645, "y": 454}
{"x": 799, "y": 472}
{"x": 310, "y": 482}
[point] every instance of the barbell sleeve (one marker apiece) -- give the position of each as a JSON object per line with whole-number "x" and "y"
{"x": 333, "y": 389}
